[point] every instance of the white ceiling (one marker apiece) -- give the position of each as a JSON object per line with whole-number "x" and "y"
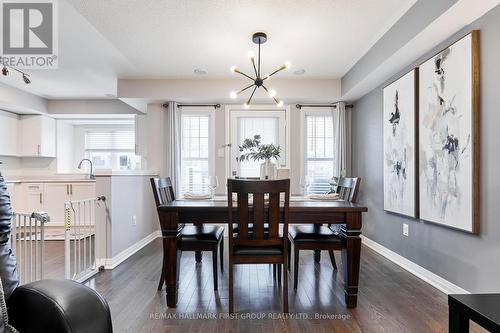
{"x": 101, "y": 41}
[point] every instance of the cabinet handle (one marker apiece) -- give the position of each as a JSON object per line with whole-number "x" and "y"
{"x": 40, "y": 198}
{"x": 67, "y": 189}
{"x": 39, "y": 150}
{"x": 71, "y": 188}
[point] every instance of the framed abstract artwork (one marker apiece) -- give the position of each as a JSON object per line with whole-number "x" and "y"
{"x": 449, "y": 136}
{"x": 400, "y": 147}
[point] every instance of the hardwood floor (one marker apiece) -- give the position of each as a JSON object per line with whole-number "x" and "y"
{"x": 390, "y": 299}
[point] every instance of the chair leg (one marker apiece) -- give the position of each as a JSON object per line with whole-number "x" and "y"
{"x": 289, "y": 254}
{"x": 221, "y": 254}
{"x": 285, "y": 287}
{"x": 295, "y": 267}
{"x": 274, "y": 272}
{"x": 317, "y": 256}
{"x": 230, "y": 286}
{"x": 198, "y": 255}
{"x": 162, "y": 277}
{"x": 332, "y": 259}
{"x": 214, "y": 261}
{"x": 279, "y": 273}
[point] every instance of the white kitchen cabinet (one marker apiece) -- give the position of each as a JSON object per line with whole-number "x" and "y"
{"x": 12, "y": 189}
{"x": 33, "y": 198}
{"x": 82, "y": 191}
{"x": 37, "y": 136}
{"x": 56, "y": 194}
{"x": 8, "y": 134}
{"x": 141, "y": 135}
{"x": 50, "y": 197}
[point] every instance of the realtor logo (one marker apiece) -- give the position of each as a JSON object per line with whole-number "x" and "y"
{"x": 28, "y": 34}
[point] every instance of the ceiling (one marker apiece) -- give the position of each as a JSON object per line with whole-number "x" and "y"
{"x": 101, "y": 41}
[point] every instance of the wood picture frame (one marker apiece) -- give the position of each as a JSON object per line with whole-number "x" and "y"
{"x": 449, "y": 189}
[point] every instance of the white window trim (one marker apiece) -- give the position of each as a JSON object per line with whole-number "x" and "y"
{"x": 211, "y": 135}
{"x": 305, "y": 111}
{"x": 228, "y": 109}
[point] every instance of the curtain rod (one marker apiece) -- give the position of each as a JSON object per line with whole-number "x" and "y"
{"x": 217, "y": 106}
{"x": 300, "y": 106}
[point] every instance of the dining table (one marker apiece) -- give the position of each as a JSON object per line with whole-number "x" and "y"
{"x": 302, "y": 210}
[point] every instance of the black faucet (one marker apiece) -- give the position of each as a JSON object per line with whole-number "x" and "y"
{"x": 92, "y": 176}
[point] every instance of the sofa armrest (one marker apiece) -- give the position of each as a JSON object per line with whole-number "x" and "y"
{"x": 58, "y": 306}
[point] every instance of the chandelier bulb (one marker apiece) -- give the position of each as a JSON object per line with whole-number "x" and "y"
{"x": 288, "y": 64}
{"x": 251, "y": 55}
{"x": 279, "y": 104}
{"x": 246, "y": 105}
{"x": 234, "y": 69}
{"x": 271, "y": 92}
{"x": 233, "y": 94}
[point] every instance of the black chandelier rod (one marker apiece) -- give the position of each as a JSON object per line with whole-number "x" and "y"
{"x": 258, "y": 75}
{"x": 300, "y": 106}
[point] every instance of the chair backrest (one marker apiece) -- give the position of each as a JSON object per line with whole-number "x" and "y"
{"x": 348, "y": 188}
{"x": 271, "y": 211}
{"x": 163, "y": 190}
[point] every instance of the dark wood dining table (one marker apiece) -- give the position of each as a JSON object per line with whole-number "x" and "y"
{"x": 174, "y": 215}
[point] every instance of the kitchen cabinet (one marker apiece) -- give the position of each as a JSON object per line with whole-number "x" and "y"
{"x": 50, "y": 197}
{"x": 141, "y": 135}
{"x": 37, "y": 136}
{"x": 8, "y": 134}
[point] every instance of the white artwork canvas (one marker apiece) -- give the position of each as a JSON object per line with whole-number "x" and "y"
{"x": 400, "y": 146}
{"x": 446, "y": 137}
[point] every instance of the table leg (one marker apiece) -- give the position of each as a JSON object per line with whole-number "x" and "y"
{"x": 172, "y": 254}
{"x": 351, "y": 251}
{"x": 173, "y": 260}
{"x": 458, "y": 322}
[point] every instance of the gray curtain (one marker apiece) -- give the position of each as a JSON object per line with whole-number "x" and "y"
{"x": 172, "y": 144}
{"x": 342, "y": 142}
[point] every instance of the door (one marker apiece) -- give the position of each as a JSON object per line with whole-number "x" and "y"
{"x": 34, "y": 198}
{"x": 271, "y": 125}
{"x": 56, "y": 194}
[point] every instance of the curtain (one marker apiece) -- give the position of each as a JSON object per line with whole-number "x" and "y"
{"x": 342, "y": 140}
{"x": 172, "y": 147}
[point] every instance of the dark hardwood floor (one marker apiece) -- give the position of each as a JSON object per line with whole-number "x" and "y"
{"x": 390, "y": 299}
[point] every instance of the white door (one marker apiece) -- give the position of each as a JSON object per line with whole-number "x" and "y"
{"x": 56, "y": 194}
{"x": 269, "y": 124}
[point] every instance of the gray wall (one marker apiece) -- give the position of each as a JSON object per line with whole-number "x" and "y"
{"x": 471, "y": 262}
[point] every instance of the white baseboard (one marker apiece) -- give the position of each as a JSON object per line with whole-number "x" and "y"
{"x": 111, "y": 263}
{"x": 434, "y": 280}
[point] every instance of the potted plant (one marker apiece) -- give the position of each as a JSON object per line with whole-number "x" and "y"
{"x": 253, "y": 149}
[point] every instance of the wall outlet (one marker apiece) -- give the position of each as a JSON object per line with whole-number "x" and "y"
{"x": 405, "y": 229}
{"x": 134, "y": 220}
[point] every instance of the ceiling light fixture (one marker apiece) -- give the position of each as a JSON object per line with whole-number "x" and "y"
{"x": 5, "y": 72}
{"x": 199, "y": 71}
{"x": 258, "y": 38}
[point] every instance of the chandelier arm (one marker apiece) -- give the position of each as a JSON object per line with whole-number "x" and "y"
{"x": 242, "y": 90}
{"x": 254, "y": 68}
{"x": 250, "y": 98}
{"x": 273, "y": 97}
{"x": 276, "y": 71}
{"x": 248, "y": 76}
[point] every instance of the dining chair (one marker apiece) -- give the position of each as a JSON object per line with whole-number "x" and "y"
{"x": 198, "y": 238}
{"x": 259, "y": 246}
{"x": 318, "y": 237}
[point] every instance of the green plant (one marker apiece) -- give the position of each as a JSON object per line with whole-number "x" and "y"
{"x": 253, "y": 149}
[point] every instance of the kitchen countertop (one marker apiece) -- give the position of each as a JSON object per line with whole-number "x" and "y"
{"x": 50, "y": 180}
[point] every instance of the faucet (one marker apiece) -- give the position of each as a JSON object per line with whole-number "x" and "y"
{"x": 91, "y": 176}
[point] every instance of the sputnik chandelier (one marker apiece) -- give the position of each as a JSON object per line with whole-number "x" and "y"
{"x": 259, "y": 80}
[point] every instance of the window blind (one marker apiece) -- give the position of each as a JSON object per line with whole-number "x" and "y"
{"x": 110, "y": 140}
{"x": 319, "y": 156}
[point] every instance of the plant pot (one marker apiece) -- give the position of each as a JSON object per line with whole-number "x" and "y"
{"x": 268, "y": 170}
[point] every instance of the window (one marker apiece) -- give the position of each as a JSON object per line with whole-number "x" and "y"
{"x": 196, "y": 151}
{"x": 269, "y": 124}
{"x": 318, "y": 152}
{"x": 112, "y": 148}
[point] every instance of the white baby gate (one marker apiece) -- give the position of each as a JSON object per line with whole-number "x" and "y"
{"x": 27, "y": 243}
{"x": 80, "y": 238}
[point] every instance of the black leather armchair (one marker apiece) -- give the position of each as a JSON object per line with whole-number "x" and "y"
{"x": 48, "y": 305}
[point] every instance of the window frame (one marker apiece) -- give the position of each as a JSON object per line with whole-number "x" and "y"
{"x": 84, "y": 129}
{"x": 211, "y": 139}
{"x": 304, "y": 112}
{"x": 240, "y": 109}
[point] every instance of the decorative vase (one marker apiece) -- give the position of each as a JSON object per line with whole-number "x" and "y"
{"x": 268, "y": 170}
